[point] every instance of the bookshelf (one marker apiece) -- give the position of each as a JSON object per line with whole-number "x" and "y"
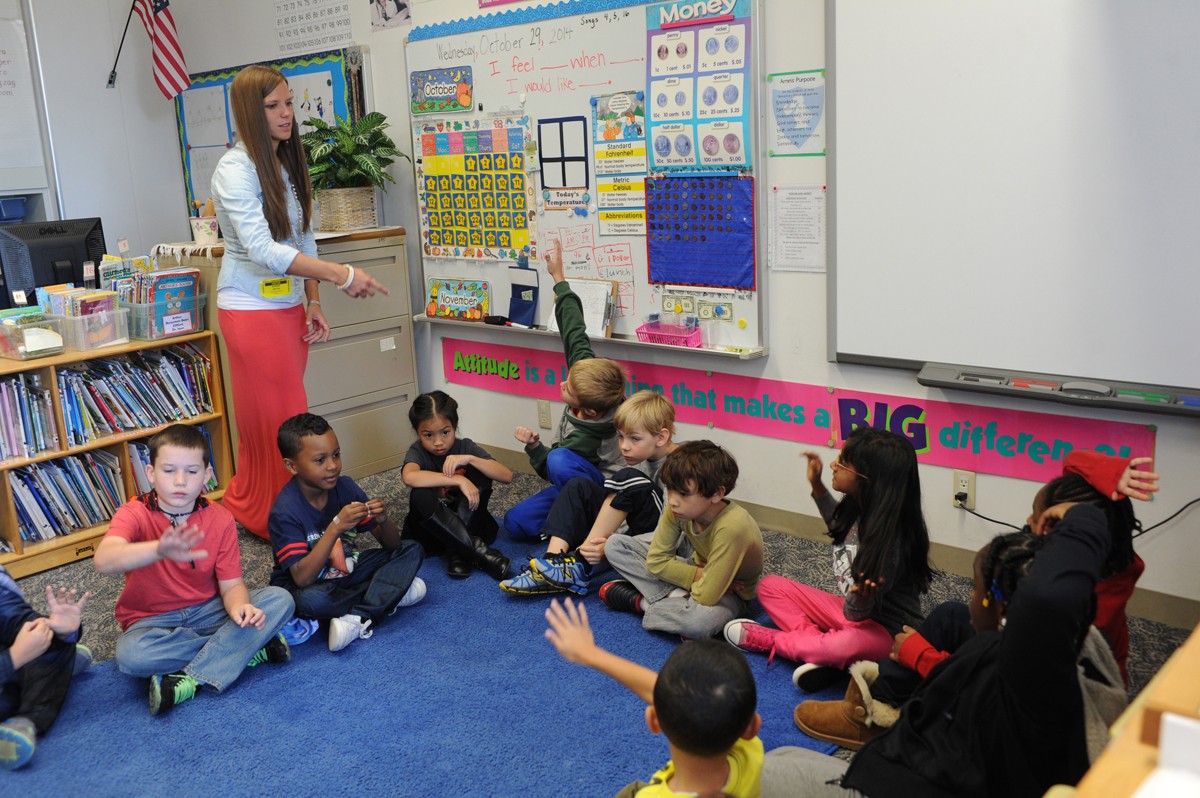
{"x": 32, "y": 556}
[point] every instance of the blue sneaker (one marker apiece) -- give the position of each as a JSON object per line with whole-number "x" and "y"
{"x": 563, "y": 570}
{"x": 18, "y": 741}
{"x": 529, "y": 583}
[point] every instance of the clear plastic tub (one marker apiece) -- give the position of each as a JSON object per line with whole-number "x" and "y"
{"x": 152, "y": 321}
{"x": 96, "y": 330}
{"x": 33, "y": 339}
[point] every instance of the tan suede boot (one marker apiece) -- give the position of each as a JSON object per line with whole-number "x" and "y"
{"x": 852, "y": 721}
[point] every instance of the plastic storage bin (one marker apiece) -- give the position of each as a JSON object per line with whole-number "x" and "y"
{"x": 96, "y": 330}
{"x": 152, "y": 321}
{"x": 12, "y": 209}
{"x": 33, "y": 339}
{"x": 656, "y": 333}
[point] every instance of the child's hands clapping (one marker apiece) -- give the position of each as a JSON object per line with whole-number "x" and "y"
{"x": 65, "y": 610}
{"x": 178, "y": 544}
{"x": 569, "y": 631}
{"x": 527, "y": 436}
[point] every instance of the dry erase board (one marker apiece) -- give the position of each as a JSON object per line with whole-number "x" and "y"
{"x": 1013, "y": 185}
{"x": 537, "y": 126}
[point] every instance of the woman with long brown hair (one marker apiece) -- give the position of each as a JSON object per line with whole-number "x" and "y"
{"x": 268, "y": 296}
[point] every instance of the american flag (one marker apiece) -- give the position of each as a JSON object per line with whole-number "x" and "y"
{"x": 170, "y": 71}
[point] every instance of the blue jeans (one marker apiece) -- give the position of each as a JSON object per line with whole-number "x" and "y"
{"x": 525, "y": 520}
{"x": 372, "y": 590}
{"x": 201, "y": 640}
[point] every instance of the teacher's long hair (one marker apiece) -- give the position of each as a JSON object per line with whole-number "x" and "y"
{"x": 246, "y": 95}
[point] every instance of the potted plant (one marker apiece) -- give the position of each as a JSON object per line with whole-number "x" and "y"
{"x": 346, "y": 163}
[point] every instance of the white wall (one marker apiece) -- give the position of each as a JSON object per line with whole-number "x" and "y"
{"x": 218, "y": 33}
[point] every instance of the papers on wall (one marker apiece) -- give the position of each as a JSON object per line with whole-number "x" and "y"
{"x": 797, "y": 228}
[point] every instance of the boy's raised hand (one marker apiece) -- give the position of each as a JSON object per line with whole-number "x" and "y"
{"x": 65, "y": 611}
{"x": 178, "y": 543}
{"x": 569, "y": 631}
{"x": 554, "y": 262}
{"x": 1135, "y": 483}
{"x": 527, "y": 436}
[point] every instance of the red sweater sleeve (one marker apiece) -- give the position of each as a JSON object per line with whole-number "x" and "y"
{"x": 1102, "y": 471}
{"x": 917, "y": 654}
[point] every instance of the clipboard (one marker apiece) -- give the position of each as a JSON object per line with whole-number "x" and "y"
{"x": 599, "y": 298}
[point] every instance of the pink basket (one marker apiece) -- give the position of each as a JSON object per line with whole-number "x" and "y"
{"x": 673, "y": 335}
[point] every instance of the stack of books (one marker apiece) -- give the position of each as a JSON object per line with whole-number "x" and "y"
{"x": 66, "y": 495}
{"x": 27, "y": 422}
{"x": 134, "y": 391}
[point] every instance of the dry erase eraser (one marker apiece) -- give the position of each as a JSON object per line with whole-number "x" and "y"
{"x": 1087, "y": 388}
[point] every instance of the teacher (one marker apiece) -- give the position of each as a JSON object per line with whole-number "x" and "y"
{"x": 268, "y": 291}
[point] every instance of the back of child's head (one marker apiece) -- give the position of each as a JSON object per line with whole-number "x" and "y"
{"x": 705, "y": 697}
{"x": 645, "y": 411}
{"x": 293, "y": 432}
{"x": 598, "y": 383}
{"x": 433, "y": 405}
{"x": 886, "y": 504}
{"x": 1119, "y": 514}
{"x": 1006, "y": 561}
{"x": 182, "y": 436}
{"x": 703, "y": 463}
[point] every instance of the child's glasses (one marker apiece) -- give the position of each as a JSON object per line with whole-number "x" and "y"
{"x": 836, "y": 465}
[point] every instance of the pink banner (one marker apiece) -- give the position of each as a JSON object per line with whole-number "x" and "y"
{"x": 988, "y": 440}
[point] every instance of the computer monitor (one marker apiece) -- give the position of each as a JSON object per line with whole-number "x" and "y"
{"x": 34, "y": 254}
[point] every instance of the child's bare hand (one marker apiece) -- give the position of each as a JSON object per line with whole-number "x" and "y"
{"x": 1135, "y": 483}
{"x": 899, "y": 641}
{"x": 592, "y": 549}
{"x": 179, "y": 544}
{"x": 469, "y": 492}
{"x": 249, "y": 615}
{"x": 569, "y": 630}
{"x": 352, "y": 514}
{"x": 814, "y": 469}
{"x": 31, "y": 642}
{"x": 454, "y": 462}
{"x": 1051, "y": 516}
{"x": 527, "y": 436}
{"x": 554, "y": 262}
{"x": 65, "y": 609}
{"x": 865, "y": 587}
{"x": 377, "y": 509}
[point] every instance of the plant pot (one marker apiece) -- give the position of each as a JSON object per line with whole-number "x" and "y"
{"x": 347, "y": 208}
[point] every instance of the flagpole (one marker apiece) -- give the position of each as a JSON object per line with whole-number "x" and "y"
{"x": 112, "y": 76}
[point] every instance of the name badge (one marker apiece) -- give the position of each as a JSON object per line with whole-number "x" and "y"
{"x": 275, "y": 287}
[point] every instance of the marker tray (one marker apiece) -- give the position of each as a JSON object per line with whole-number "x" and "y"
{"x": 671, "y": 334}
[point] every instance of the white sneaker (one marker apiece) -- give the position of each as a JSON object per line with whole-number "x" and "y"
{"x": 345, "y": 630}
{"x": 416, "y": 592}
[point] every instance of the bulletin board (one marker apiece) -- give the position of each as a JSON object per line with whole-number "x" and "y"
{"x": 624, "y": 130}
{"x": 325, "y": 85}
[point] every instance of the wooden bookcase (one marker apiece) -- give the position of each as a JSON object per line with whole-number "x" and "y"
{"x": 29, "y": 558}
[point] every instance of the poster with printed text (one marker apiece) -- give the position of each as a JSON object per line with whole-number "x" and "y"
{"x": 474, "y": 192}
{"x": 304, "y": 26}
{"x": 619, "y": 152}
{"x": 797, "y": 116}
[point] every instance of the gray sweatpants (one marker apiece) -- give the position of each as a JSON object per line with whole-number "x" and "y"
{"x": 790, "y": 772}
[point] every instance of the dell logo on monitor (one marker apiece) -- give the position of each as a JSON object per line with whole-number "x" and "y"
{"x": 57, "y": 229}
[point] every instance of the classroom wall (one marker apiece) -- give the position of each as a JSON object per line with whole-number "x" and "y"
{"x": 217, "y": 33}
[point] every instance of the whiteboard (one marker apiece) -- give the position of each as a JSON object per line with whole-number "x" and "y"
{"x": 548, "y": 64}
{"x": 1013, "y": 184}
{"x": 21, "y": 163}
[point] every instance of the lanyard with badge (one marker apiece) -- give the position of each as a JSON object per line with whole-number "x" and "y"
{"x": 278, "y": 287}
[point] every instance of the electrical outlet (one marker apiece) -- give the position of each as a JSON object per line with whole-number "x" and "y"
{"x": 544, "y": 414}
{"x": 963, "y": 482}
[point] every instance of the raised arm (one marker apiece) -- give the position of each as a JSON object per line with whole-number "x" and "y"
{"x": 572, "y": 636}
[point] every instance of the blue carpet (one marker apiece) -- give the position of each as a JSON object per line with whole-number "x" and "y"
{"x": 460, "y": 694}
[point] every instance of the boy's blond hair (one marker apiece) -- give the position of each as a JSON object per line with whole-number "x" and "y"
{"x": 598, "y": 383}
{"x": 646, "y": 411}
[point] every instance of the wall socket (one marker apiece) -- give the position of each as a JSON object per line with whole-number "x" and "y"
{"x": 544, "y": 416}
{"x": 964, "y": 482}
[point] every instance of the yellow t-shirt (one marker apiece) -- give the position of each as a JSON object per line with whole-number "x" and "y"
{"x": 745, "y": 775}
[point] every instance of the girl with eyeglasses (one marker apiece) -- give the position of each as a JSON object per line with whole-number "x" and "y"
{"x": 880, "y": 561}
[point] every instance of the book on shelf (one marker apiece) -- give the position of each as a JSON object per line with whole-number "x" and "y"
{"x": 139, "y": 459}
{"x": 37, "y": 525}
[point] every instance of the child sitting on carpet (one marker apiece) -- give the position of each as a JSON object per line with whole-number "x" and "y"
{"x": 186, "y": 616}
{"x": 451, "y": 481}
{"x": 703, "y": 700}
{"x": 585, "y": 443}
{"x": 314, "y": 525}
{"x": 38, "y": 657}
{"x": 585, "y": 515}
{"x": 699, "y": 569}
